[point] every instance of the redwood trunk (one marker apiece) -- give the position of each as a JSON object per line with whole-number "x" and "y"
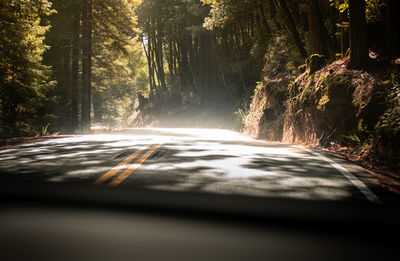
{"x": 86, "y": 65}
{"x": 318, "y": 33}
{"x": 358, "y": 43}
{"x": 75, "y": 70}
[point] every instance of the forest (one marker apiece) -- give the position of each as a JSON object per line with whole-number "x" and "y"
{"x": 321, "y": 72}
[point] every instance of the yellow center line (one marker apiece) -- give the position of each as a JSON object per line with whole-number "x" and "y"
{"x": 133, "y": 167}
{"x": 118, "y": 167}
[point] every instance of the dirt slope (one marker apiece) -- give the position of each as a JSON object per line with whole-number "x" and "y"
{"x": 333, "y": 107}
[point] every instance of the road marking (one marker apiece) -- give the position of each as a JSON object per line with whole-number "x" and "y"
{"x": 356, "y": 182}
{"x": 120, "y": 166}
{"x": 131, "y": 169}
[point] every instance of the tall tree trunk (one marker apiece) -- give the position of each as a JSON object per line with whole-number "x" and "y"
{"x": 149, "y": 64}
{"x": 86, "y": 65}
{"x": 154, "y": 68}
{"x": 344, "y": 35}
{"x": 392, "y": 33}
{"x": 160, "y": 64}
{"x": 291, "y": 26}
{"x": 263, "y": 19}
{"x": 184, "y": 62}
{"x": 272, "y": 12}
{"x": 66, "y": 96}
{"x": 358, "y": 44}
{"x": 205, "y": 65}
{"x": 75, "y": 69}
{"x": 318, "y": 33}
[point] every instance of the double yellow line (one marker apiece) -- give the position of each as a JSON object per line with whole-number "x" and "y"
{"x": 130, "y": 169}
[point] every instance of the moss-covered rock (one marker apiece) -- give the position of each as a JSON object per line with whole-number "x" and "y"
{"x": 386, "y": 142}
{"x": 266, "y": 115}
{"x": 330, "y": 105}
{"x": 315, "y": 62}
{"x": 302, "y": 68}
{"x": 267, "y": 109}
{"x": 347, "y": 107}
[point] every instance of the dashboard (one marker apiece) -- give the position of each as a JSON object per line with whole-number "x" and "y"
{"x": 60, "y": 222}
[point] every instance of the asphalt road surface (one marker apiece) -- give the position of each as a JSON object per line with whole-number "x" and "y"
{"x": 194, "y": 160}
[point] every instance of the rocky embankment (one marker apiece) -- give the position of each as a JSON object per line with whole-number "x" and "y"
{"x": 332, "y": 106}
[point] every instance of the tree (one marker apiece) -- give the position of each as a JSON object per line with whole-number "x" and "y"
{"x": 374, "y": 12}
{"x": 358, "y": 44}
{"x": 202, "y": 52}
{"x": 392, "y": 33}
{"x": 87, "y": 21}
{"x": 291, "y": 26}
{"x": 76, "y": 29}
{"x": 63, "y": 44}
{"x": 320, "y": 39}
{"x": 23, "y": 77}
{"x": 88, "y": 39}
{"x": 118, "y": 69}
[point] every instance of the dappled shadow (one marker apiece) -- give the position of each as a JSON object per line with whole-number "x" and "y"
{"x": 305, "y": 177}
{"x": 183, "y": 164}
{"x": 235, "y": 171}
{"x": 82, "y": 161}
{"x": 51, "y": 160}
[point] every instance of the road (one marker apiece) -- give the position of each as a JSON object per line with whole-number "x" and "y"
{"x": 120, "y": 196}
{"x": 195, "y": 160}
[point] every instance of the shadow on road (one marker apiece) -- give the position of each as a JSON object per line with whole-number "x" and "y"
{"x": 227, "y": 166}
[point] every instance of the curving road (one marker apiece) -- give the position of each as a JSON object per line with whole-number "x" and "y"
{"x": 196, "y": 160}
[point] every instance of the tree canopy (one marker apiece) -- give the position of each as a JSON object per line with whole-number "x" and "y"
{"x": 24, "y": 78}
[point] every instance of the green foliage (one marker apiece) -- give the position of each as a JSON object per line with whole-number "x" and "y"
{"x": 281, "y": 56}
{"x": 118, "y": 77}
{"x": 225, "y": 13}
{"x": 243, "y": 111}
{"x": 386, "y": 142}
{"x": 119, "y": 68}
{"x": 351, "y": 140}
{"x": 200, "y": 54}
{"x": 118, "y": 65}
{"x": 373, "y": 8}
{"x": 22, "y": 74}
{"x": 390, "y": 120}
